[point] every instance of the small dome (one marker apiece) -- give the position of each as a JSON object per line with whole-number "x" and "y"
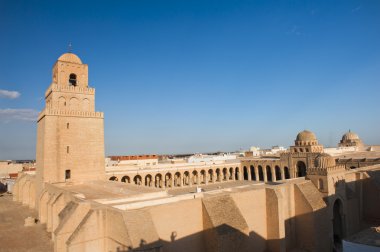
{"x": 350, "y": 136}
{"x": 324, "y": 161}
{"x": 306, "y": 136}
{"x": 70, "y": 57}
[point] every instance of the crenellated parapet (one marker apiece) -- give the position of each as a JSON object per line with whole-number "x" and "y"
{"x": 74, "y": 113}
{"x": 326, "y": 170}
{"x": 69, "y": 89}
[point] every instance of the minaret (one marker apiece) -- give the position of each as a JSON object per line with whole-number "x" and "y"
{"x": 70, "y": 133}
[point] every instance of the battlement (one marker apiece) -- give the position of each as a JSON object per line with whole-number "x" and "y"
{"x": 74, "y": 113}
{"x": 69, "y": 89}
{"x": 325, "y": 171}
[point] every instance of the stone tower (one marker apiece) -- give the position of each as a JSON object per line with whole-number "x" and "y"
{"x": 70, "y": 133}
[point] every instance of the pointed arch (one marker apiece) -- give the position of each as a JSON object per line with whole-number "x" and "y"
{"x": 245, "y": 173}
{"x": 286, "y": 172}
{"x": 269, "y": 173}
{"x": 126, "y": 179}
{"x": 278, "y": 172}
{"x": 301, "y": 169}
{"x": 148, "y": 180}
{"x": 261, "y": 173}
{"x": 253, "y": 173}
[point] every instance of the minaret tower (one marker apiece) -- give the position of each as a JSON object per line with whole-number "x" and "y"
{"x": 70, "y": 133}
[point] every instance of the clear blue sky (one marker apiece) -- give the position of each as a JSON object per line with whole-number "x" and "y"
{"x": 196, "y": 76}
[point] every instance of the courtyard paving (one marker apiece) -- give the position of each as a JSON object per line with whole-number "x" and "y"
{"x": 14, "y": 236}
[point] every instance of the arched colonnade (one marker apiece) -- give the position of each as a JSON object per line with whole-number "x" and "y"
{"x": 181, "y": 178}
{"x": 266, "y": 173}
{"x": 204, "y": 176}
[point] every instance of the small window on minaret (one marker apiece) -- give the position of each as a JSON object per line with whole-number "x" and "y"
{"x": 68, "y": 125}
{"x": 67, "y": 149}
{"x": 73, "y": 79}
{"x": 67, "y": 174}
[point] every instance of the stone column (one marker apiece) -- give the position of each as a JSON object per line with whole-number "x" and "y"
{"x": 162, "y": 183}
{"x": 265, "y": 174}
{"x": 171, "y": 181}
{"x": 180, "y": 180}
{"x": 248, "y": 172}
{"x": 274, "y": 179}
{"x": 257, "y": 173}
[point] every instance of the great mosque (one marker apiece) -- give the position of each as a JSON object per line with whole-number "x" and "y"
{"x": 308, "y": 198}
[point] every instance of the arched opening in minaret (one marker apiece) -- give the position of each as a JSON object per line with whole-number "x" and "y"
{"x": 73, "y": 79}
{"x": 301, "y": 169}
{"x": 338, "y": 224}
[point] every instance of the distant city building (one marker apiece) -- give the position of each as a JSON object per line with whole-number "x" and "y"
{"x": 140, "y": 160}
{"x": 200, "y": 158}
{"x": 7, "y": 167}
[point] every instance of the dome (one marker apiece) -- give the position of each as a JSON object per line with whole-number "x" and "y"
{"x": 350, "y": 136}
{"x": 70, "y": 57}
{"x": 306, "y": 136}
{"x": 324, "y": 161}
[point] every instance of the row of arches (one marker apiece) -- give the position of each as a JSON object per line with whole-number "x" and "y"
{"x": 266, "y": 173}
{"x": 270, "y": 173}
{"x": 74, "y": 104}
{"x": 179, "y": 179}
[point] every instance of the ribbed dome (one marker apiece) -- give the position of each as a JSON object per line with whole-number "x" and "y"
{"x": 324, "y": 161}
{"x": 70, "y": 57}
{"x": 306, "y": 136}
{"x": 350, "y": 136}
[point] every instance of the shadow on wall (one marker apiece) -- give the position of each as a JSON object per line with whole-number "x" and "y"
{"x": 225, "y": 238}
{"x": 321, "y": 230}
{"x": 221, "y": 238}
{"x": 338, "y": 216}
